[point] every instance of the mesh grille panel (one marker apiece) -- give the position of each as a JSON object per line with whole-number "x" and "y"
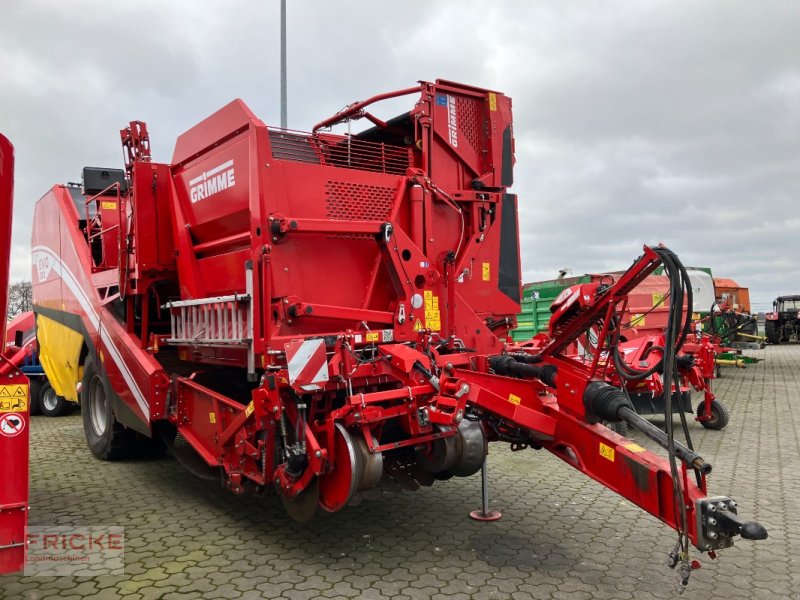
{"x": 345, "y": 201}
{"x": 469, "y": 120}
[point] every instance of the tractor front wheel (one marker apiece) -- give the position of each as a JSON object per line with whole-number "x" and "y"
{"x": 719, "y": 415}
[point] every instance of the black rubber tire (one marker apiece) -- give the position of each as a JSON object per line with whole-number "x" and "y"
{"x": 750, "y": 326}
{"x": 34, "y": 405}
{"x": 771, "y": 332}
{"x": 620, "y": 427}
{"x": 113, "y": 440}
{"x": 50, "y": 403}
{"x": 720, "y": 415}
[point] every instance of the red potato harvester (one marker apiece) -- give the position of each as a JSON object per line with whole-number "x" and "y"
{"x": 324, "y": 315}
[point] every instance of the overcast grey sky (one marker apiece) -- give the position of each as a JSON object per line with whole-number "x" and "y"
{"x": 636, "y": 122}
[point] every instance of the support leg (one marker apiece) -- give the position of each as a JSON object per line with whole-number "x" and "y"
{"x": 485, "y": 514}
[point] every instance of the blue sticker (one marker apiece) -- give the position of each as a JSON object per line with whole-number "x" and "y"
{"x": 441, "y": 99}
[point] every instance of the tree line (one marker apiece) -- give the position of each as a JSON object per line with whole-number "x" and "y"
{"x": 20, "y": 298}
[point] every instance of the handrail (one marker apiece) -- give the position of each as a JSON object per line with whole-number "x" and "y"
{"x": 355, "y": 110}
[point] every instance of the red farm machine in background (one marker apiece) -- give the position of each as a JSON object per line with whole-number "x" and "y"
{"x": 22, "y": 350}
{"x": 320, "y": 314}
{"x": 638, "y": 342}
{"x": 14, "y": 416}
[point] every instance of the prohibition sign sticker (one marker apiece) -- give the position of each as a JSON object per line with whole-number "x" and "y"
{"x": 11, "y": 424}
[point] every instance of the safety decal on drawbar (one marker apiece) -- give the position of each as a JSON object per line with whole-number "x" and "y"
{"x": 607, "y": 452}
{"x": 13, "y": 398}
{"x": 11, "y": 425}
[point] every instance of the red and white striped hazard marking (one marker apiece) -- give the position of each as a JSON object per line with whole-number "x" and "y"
{"x": 307, "y": 363}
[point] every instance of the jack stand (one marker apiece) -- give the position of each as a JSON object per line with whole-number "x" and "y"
{"x": 485, "y": 514}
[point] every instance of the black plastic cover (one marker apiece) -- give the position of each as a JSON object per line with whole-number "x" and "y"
{"x": 97, "y": 179}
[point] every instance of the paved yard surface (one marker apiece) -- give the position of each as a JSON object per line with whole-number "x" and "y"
{"x": 561, "y": 536}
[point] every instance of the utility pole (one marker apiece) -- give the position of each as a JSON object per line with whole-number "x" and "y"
{"x": 284, "y": 103}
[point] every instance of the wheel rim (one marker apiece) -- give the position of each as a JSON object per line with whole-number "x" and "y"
{"x": 714, "y": 417}
{"x": 98, "y": 406}
{"x": 50, "y": 400}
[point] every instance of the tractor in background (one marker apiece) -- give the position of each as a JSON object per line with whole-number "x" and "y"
{"x": 783, "y": 323}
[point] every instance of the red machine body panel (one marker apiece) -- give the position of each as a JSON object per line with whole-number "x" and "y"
{"x": 14, "y": 397}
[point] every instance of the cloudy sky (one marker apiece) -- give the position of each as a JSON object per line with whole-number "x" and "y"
{"x": 636, "y": 122}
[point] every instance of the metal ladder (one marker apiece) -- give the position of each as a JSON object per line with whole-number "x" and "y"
{"x": 217, "y": 321}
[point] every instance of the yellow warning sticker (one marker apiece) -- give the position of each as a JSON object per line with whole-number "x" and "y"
{"x": 634, "y": 448}
{"x": 487, "y": 271}
{"x": 418, "y": 325}
{"x": 373, "y": 336}
{"x": 637, "y": 320}
{"x": 249, "y": 410}
{"x": 433, "y": 318}
{"x": 658, "y": 298}
{"x": 212, "y": 417}
{"x": 14, "y": 398}
{"x": 492, "y": 101}
{"x": 606, "y": 452}
{"x": 514, "y": 399}
{"x": 431, "y": 315}
{"x": 108, "y": 205}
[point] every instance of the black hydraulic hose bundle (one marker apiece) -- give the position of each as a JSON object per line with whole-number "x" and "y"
{"x": 680, "y": 290}
{"x": 674, "y": 336}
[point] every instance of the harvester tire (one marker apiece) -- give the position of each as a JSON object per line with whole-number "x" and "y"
{"x": 106, "y": 438}
{"x": 50, "y": 403}
{"x": 720, "y": 415}
{"x": 34, "y": 405}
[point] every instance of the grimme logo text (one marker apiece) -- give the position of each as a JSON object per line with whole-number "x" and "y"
{"x": 212, "y": 181}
